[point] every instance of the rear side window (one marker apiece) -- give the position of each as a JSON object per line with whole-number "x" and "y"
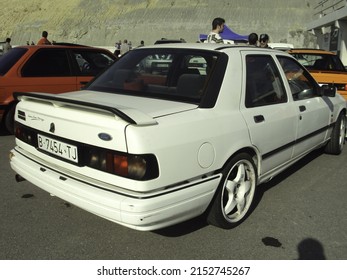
{"x": 264, "y": 85}
{"x": 91, "y": 63}
{"x": 10, "y": 58}
{"x": 47, "y": 63}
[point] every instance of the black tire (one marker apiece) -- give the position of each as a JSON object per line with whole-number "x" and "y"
{"x": 9, "y": 119}
{"x": 337, "y": 138}
{"x": 240, "y": 180}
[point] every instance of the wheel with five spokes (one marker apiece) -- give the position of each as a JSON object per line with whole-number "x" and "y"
{"x": 337, "y": 138}
{"x": 235, "y": 193}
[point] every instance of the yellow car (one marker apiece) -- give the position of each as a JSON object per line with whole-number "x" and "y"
{"x": 326, "y": 67}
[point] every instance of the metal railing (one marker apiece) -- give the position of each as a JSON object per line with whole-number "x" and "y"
{"x": 325, "y": 7}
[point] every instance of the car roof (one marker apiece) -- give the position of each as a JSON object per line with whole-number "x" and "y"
{"x": 208, "y": 46}
{"x": 59, "y": 45}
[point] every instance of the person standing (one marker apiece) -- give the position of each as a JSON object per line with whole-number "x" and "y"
{"x": 7, "y": 46}
{"x": 44, "y": 40}
{"x": 217, "y": 28}
{"x": 124, "y": 47}
{"x": 253, "y": 39}
{"x": 264, "y": 40}
{"x": 118, "y": 47}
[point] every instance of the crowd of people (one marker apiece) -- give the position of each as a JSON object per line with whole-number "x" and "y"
{"x": 125, "y": 46}
{"x": 6, "y": 46}
{"x": 122, "y": 48}
{"x": 253, "y": 39}
{"x": 261, "y": 42}
{"x": 213, "y": 37}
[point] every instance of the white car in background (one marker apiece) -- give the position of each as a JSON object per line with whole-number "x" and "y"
{"x": 148, "y": 149}
{"x": 281, "y": 46}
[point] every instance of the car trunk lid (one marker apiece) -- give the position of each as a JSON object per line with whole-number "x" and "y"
{"x": 93, "y": 118}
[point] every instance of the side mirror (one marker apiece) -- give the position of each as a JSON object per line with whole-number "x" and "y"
{"x": 328, "y": 91}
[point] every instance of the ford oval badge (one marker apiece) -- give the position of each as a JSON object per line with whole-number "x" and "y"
{"x": 105, "y": 136}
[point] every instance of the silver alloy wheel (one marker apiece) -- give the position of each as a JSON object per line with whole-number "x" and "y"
{"x": 337, "y": 137}
{"x": 342, "y": 133}
{"x": 238, "y": 190}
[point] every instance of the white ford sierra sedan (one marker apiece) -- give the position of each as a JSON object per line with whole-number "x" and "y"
{"x": 171, "y": 132}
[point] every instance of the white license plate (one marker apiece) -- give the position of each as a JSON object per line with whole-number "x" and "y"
{"x": 58, "y": 148}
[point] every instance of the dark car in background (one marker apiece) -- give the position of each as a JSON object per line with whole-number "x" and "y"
{"x": 51, "y": 69}
{"x": 169, "y": 41}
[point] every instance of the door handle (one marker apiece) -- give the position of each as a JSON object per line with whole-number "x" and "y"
{"x": 259, "y": 118}
{"x": 302, "y": 108}
{"x": 83, "y": 82}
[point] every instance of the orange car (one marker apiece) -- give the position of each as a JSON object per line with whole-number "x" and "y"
{"x": 326, "y": 67}
{"x": 52, "y": 69}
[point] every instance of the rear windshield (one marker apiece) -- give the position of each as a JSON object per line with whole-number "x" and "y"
{"x": 10, "y": 58}
{"x": 173, "y": 74}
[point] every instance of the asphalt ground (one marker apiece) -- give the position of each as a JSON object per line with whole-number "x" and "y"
{"x": 300, "y": 214}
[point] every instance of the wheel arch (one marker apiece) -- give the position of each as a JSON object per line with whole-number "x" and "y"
{"x": 8, "y": 116}
{"x": 344, "y": 111}
{"x": 210, "y": 213}
{"x": 254, "y": 154}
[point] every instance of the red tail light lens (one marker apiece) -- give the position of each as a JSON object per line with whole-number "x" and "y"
{"x": 137, "y": 167}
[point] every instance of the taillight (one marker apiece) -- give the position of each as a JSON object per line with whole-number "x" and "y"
{"x": 137, "y": 167}
{"x": 25, "y": 134}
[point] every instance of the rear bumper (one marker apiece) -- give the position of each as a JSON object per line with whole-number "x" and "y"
{"x": 140, "y": 212}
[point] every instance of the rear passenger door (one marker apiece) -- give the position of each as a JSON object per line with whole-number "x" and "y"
{"x": 48, "y": 70}
{"x": 271, "y": 119}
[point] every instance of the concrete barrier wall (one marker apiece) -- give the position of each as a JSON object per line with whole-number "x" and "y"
{"x": 103, "y": 22}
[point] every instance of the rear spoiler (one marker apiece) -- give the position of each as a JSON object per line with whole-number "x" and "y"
{"x": 129, "y": 115}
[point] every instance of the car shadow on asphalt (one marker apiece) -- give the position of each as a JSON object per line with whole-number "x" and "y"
{"x": 264, "y": 187}
{"x": 198, "y": 223}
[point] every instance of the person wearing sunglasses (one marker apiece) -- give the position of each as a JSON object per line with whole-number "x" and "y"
{"x": 264, "y": 40}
